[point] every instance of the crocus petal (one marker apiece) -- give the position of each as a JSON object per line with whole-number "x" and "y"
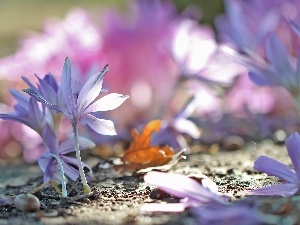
{"x": 159, "y": 207}
{"x": 49, "y": 138}
{"x": 259, "y": 72}
{"x": 180, "y": 186}
{"x": 36, "y": 116}
{"x": 279, "y": 58}
{"x": 17, "y": 119}
{"x": 47, "y": 164}
{"x": 66, "y": 88}
{"x": 187, "y": 126}
{"x": 21, "y": 98}
{"x": 108, "y": 102}
{"x": 47, "y": 91}
{"x": 69, "y": 145}
{"x": 275, "y": 168}
{"x": 286, "y": 189}
{"x": 294, "y": 26}
{"x": 71, "y": 168}
{"x": 50, "y": 79}
{"x": 237, "y": 21}
{"x": 259, "y": 77}
{"x": 91, "y": 89}
{"x": 293, "y": 147}
{"x": 27, "y": 81}
{"x": 101, "y": 126}
{"x": 41, "y": 99}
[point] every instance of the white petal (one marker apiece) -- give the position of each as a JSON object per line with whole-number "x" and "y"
{"x": 108, "y": 102}
{"x": 101, "y": 126}
{"x": 91, "y": 89}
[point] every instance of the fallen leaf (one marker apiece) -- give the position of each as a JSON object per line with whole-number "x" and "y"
{"x": 141, "y": 154}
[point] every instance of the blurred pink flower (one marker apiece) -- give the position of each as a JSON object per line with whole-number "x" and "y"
{"x": 245, "y": 96}
{"x": 135, "y": 47}
{"x": 75, "y": 37}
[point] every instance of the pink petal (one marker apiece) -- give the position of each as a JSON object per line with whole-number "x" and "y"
{"x": 180, "y": 186}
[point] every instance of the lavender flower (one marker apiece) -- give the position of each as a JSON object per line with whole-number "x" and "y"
{"x": 27, "y": 111}
{"x": 275, "y": 168}
{"x": 205, "y": 202}
{"x": 80, "y": 108}
{"x": 268, "y": 49}
{"x": 279, "y": 71}
{"x": 193, "y": 193}
{"x": 54, "y": 163}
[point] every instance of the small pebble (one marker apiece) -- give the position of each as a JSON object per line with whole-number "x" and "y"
{"x": 27, "y": 203}
{"x": 233, "y": 143}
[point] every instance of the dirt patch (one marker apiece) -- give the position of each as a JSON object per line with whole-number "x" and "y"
{"x": 116, "y": 198}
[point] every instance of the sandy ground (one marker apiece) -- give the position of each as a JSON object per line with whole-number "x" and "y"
{"x": 117, "y": 198}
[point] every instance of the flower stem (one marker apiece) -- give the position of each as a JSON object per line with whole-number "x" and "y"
{"x": 86, "y": 187}
{"x": 64, "y": 192}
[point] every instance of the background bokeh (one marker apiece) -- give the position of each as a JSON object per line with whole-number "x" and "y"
{"x": 19, "y": 16}
{"x": 183, "y": 62}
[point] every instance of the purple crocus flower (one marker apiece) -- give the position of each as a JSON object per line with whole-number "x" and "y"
{"x": 54, "y": 162}
{"x": 278, "y": 71}
{"x": 206, "y": 203}
{"x": 80, "y": 109}
{"x": 275, "y": 168}
{"x": 79, "y": 106}
{"x": 27, "y": 111}
{"x": 191, "y": 192}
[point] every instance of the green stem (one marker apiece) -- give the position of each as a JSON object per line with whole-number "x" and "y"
{"x": 86, "y": 187}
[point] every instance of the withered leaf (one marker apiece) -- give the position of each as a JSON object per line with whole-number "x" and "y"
{"x": 141, "y": 155}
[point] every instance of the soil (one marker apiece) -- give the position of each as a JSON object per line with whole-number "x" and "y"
{"x": 117, "y": 198}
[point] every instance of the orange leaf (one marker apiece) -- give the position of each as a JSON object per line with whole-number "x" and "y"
{"x": 141, "y": 155}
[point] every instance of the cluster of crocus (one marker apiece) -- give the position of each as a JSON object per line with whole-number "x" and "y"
{"x": 58, "y": 100}
{"x": 179, "y": 51}
{"x": 268, "y": 49}
{"x": 209, "y": 206}
{"x": 186, "y": 63}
